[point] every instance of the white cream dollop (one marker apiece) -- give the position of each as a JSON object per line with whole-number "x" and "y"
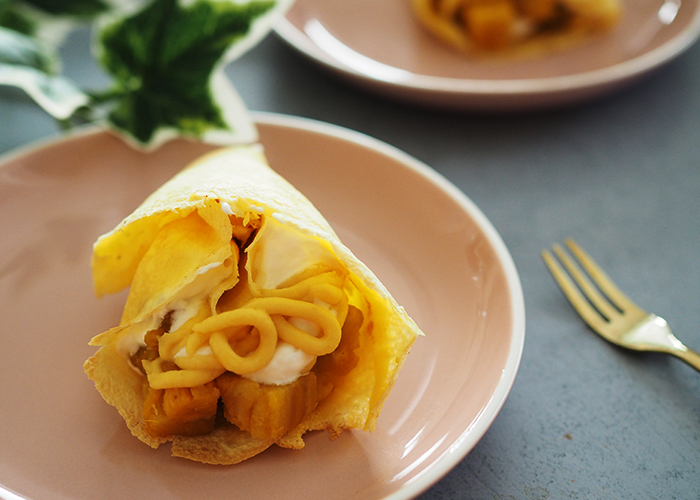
{"x": 205, "y": 350}
{"x": 226, "y": 208}
{"x": 185, "y": 305}
{"x": 132, "y": 339}
{"x": 189, "y": 300}
{"x": 286, "y": 365}
{"x": 182, "y": 310}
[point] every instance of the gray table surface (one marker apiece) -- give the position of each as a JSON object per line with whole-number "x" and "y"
{"x": 584, "y": 419}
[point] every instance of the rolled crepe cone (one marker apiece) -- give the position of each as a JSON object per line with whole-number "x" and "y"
{"x": 183, "y": 244}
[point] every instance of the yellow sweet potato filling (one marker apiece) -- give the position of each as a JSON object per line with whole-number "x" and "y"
{"x": 490, "y": 24}
{"x": 184, "y": 411}
{"x": 473, "y": 25}
{"x": 266, "y": 411}
{"x": 540, "y": 11}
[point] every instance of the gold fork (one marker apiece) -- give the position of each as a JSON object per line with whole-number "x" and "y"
{"x": 610, "y": 313}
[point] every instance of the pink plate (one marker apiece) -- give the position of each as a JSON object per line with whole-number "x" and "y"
{"x": 378, "y": 44}
{"x": 428, "y": 243}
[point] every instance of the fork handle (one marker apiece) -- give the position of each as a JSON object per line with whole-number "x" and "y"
{"x": 689, "y": 356}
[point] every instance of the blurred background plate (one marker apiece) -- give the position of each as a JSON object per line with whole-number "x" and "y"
{"x": 427, "y": 242}
{"x": 378, "y": 45}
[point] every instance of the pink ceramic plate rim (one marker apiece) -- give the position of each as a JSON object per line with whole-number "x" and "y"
{"x": 485, "y": 93}
{"x": 462, "y": 444}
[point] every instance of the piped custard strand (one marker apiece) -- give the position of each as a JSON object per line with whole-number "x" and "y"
{"x": 202, "y": 349}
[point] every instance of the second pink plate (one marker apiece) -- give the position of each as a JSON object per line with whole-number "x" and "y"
{"x": 378, "y": 45}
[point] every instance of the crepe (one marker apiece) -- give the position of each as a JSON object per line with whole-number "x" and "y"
{"x": 520, "y": 28}
{"x": 248, "y": 322}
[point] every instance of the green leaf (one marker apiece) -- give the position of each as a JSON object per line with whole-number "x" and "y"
{"x": 58, "y": 96}
{"x": 166, "y": 60}
{"x": 17, "y": 48}
{"x": 49, "y": 21}
{"x": 77, "y": 8}
{"x": 13, "y": 19}
{"x": 26, "y": 65}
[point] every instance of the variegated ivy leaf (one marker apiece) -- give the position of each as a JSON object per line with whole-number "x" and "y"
{"x": 14, "y": 19}
{"x": 167, "y": 62}
{"x": 27, "y": 29}
{"x": 49, "y": 20}
{"x": 22, "y": 50}
{"x": 77, "y": 8}
{"x": 26, "y": 65}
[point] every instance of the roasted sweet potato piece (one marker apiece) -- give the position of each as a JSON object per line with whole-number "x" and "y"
{"x": 183, "y": 411}
{"x": 266, "y": 411}
{"x": 539, "y": 10}
{"x": 149, "y": 352}
{"x": 491, "y": 24}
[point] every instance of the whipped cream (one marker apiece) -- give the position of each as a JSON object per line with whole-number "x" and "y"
{"x": 287, "y": 364}
{"x": 186, "y": 304}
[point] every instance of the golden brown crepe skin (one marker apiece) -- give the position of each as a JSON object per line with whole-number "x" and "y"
{"x": 241, "y": 178}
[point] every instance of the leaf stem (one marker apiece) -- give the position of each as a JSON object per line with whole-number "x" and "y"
{"x": 101, "y": 97}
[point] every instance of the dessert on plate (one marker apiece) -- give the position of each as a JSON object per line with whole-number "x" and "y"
{"x": 247, "y": 322}
{"x": 516, "y": 26}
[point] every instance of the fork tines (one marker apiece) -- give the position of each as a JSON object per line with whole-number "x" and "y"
{"x": 598, "y": 303}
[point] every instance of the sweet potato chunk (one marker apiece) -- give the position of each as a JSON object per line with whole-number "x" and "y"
{"x": 266, "y": 411}
{"x": 539, "y": 11}
{"x": 491, "y": 24}
{"x": 594, "y": 15}
{"x": 149, "y": 352}
{"x": 183, "y": 411}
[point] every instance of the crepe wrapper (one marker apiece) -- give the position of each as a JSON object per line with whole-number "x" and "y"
{"x": 240, "y": 178}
